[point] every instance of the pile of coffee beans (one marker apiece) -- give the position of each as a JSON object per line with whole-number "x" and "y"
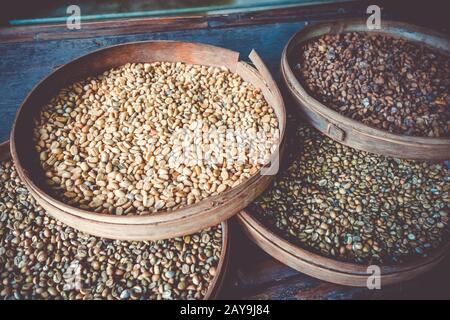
{"x": 147, "y": 137}
{"x": 385, "y": 82}
{"x": 41, "y": 258}
{"x": 356, "y": 206}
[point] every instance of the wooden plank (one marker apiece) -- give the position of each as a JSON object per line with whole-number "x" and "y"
{"x": 264, "y": 272}
{"x": 309, "y": 289}
{"x": 172, "y": 23}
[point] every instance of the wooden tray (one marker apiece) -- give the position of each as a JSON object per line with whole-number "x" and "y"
{"x": 331, "y": 270}
{"x": 346, "y": 130}
{"x": 217, "y": 282}
{"x": 161, "y": 225}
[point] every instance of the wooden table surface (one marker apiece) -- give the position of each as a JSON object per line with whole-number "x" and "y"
{"x": 28, "y": 54}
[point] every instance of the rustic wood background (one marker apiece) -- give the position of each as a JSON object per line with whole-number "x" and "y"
{"x": 28, "y": 54}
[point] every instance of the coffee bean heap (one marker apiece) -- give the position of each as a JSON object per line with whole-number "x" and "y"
{"x": 143, "y": 138}
{"x": 356, "y": 206}
{"x": 385, "y": 82}
{"x": 41, "y": 258}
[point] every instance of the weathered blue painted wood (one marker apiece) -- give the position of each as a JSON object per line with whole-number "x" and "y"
{"x": 23, "y": 64}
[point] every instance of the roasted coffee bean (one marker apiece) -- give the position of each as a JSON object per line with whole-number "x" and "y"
{"x": 387, "y": 83}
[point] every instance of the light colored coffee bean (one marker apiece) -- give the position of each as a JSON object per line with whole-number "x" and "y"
{"x": 134, "y": 136}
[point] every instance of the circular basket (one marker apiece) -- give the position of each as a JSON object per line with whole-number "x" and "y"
{"x": 328, "y": 269}
{"x": 217, "y": 282}
{"x": 346, "y": 130}
{"x": 161, "y": 225}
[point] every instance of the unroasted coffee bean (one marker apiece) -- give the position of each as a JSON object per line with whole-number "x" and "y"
{"x": 151, "y": 137}
{"x": 387, "y": 83}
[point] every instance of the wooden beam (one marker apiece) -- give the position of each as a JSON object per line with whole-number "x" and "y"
{"x": 172, "y": 23}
